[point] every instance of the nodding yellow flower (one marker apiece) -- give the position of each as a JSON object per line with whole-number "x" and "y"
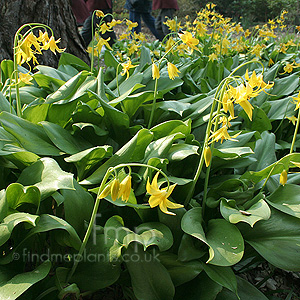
{"x": 105, "y": 192}
{"x": 159, "y": 197}
{"x": 103, "y": 28}
{"x": 271, "y": 62}
{"x": 100, "y": 13}
{"x": 283, "y": 177}
{"x": 207, "y": 156}
{"x": 172, "y": 71}
{"x": 126, "y": 67}
{"x": 155, "y": 71}
{"x": 115, "y": 188}
{"x": 26, "y": 78}
{"x": 169, "y": 44}
{"x": 124, "y": 36}
{"x": 43, "y": 37}
{"x": 212, "y": 57}
{"x": 297, "y": 101}
{"x": 52, "y": 45}
{"x": 171, "y": 24}
{"x": 125, "y": 188}
{"x": 102, "y": 42}
{"x": 133, "y": 48}
{"x": 222, "y": 134}
{"x": 188, "y": 39}
{"x": 31, "y": 39}
{"x": 292, "y": 119}
{"x": 90, "y": 49}
{"x": 130, "y": 25}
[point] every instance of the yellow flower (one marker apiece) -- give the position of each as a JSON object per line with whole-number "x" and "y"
{"x": 283, "y": 177}
{"x": 212, "y": 57}
{"x": 43, "y": 37}
{"x": 26, "y": 78}
{"x": 100, "y": 13}
{"x": 96, "y": 52}
{"x": 126, "y": 67}
{"x": 52, "y": 45}
{"x": 207, "y": 156}
{"x": 189, "y": 40}
{"x": 222, "y": 134}
{"x": 297, "y": 102}
{"x": 102, "y": 42}
{"x": 103, "y": 28}
{"x": 171, "y": 24}
{"x": 292, "y": 119}
{"x": 105, "y": 192}
{"x": 169, "y": 44}
{"x": 155, "y": 71}
{"x": 125, "y": 188}
{"x": 130, "y": 25}
{"x": 159, "y": 197}
{"x": 115, "y": 188}
{"x": 172, "y": 71}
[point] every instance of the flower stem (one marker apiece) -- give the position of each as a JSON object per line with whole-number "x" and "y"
{"x": 295, "y": 133}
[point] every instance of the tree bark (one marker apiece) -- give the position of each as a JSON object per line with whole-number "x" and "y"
{"x": 55, "y": 13}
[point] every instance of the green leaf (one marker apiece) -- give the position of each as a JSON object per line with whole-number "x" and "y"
{"x": 47, "y": 176}
{"x": 271, "y": 238}
{"x": 226, "y": 243}
{"x": 5, "y": 105}
{"x": 202, "y": 287}
{"x": 74, "y": 61}
{"x": 230, "y": 153}
{"x": 78, "y": 207}
{"x": 17, "y": 194}
{"x": 17, "y": 285}
{"x": 7, "y": 68}
{"x": 283, "y": 164}
{"x": 258, "y": 211}
{"x": 286, "y": 199}
{"x": 31, "y": 136}
{"x": 133, "y": 150}
{"x": 222, "y": 275}
{"x": 52, "y": 72}
{"x": 89, "y": 158}
{"x": 284, "y": 86}
{"x": 246, "y": 291}
{"x": 180, "y": 272}
{"x": 181, "y": 151}
{"x": 62, "y": 139}
{"x": 264, "y": 152}
{"x": 95, "y": 271}
{"x": 11, "y": 221}
{"x": 67, "y": 237}
{"x": 144, "y": 270}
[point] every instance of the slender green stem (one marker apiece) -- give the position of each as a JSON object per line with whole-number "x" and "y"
{"x": 295, "y": 133}
{"x": 153, "y": 104}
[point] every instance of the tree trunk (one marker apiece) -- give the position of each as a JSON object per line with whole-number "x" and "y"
{"x": 55, "y": 13}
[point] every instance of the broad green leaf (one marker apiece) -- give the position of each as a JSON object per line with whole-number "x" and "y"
{"x": 246, "y": 291}
{"x": 202, "y": 287}
{"x": 271, "y": 238}
{"x": 78, "y": 207}
{"x": 31, "y": 136}
{"x": 48, "y": 83}
{"x": 17, "y": 285}
{"x": 276, "y": 168}
{"x": 17, "y": 194}
{"x": 225, "y": 241}
{"x": 11, "y": 221}
{"x": 258, "y": 211}
{"x": 171, "y": 127}
{"x": 67, "y": 236}
{"x": 36, "y": 112}
{"x": 180, "y": 272}
{"x": 284, "y": 86}
{"x": 145, "y": 58}
{"x": 187, "y": 250}
{"x": 144, "y": 269}
{"x": 89, "y": 158}
{"x": 62, "y": 139}
{"x": 5, "y": 105}
{"x": 7, "y": 68}
{"x": 264, "y": 152}
{"x": 47, "y": 176}
{"x": 110, "y": 59}
{"x": 286, "y": 199}
{"x": 54, "y": 73}
{"x": 132, "y": 151}
{"x": 74, "y": 61}
{"x": 222, "y": 275}
{"x": 95, "y": 271}
{"x": 67, "y": 90}
{"x": 231, "y": 153}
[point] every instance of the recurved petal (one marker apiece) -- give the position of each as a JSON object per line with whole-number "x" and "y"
{"x": 163, "y": 208}
{"x": 154, "y": 201}
{"x": 173, "y": 205}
